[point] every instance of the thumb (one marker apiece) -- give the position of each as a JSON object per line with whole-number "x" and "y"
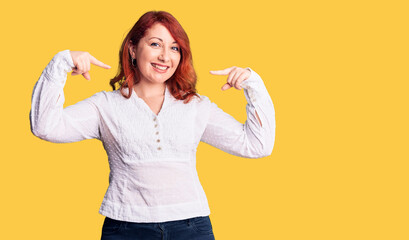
{"x": 226, "y": 86}
{"x": 86, "y": 75}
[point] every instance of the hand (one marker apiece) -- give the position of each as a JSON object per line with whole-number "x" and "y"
{"x": 236, "y": 76}
{"x": 82, "y": 62}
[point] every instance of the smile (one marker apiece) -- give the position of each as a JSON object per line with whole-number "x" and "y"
{"x": 163, "y": 68}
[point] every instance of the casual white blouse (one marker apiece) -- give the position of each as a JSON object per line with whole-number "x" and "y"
{"x": 152, "y": 158}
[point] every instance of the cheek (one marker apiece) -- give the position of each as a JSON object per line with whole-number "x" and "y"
{"x": 144, "y": 56}
{"x": 141, "y": 67}
{"x": 143, "y": 62}
{"x": 176, "y": 61}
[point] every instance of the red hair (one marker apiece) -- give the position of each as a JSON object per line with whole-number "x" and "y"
{"x": 182, "y": 84}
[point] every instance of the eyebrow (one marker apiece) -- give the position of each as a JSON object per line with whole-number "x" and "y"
{"x": 159, "y": 39}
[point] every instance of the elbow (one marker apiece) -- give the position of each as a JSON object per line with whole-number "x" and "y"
{"x": 36, "y": 132}
{"x": 257, "y": 151}
{"x": 268, "y": 150}
{"x": 46, "y": 136}
{"x": 264, "y": 153}
{"x": 259, "y": 145}
{"x": 34, "y": 127}
{"x": 264, "y": 150}
{"x": 268, "y": 145}
{"x": 39, "y": 132}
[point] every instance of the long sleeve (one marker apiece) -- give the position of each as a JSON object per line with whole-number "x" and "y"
{"x": 250, "y": 140}
{"x": 48, "y": 119}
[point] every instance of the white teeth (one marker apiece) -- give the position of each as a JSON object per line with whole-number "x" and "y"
{"x": 159, "y": 67}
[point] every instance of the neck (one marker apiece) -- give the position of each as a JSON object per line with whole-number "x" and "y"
{"x": 147, "y": 90}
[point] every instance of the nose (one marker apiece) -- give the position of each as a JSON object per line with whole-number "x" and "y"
{"x": 164, "y": 55}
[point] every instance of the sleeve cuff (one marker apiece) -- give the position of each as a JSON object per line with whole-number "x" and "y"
{"x": 252, "y": 87}
{"x": 59, "y": 66}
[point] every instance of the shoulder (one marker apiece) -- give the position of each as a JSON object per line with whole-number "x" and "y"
{"x": 206, "y": 101}
{"x": 201, "y": 100}
{"x": 204, "y": 105}
{"x": 195, "y": 100}
{"x": 104, "y": 97}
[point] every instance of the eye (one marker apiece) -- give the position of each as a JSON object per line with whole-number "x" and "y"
{"x": 175, "y": 48}
{"x": 155, "y": 44}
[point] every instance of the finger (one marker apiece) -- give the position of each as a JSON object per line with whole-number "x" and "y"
{"x": 99, "y": 63}
{"x": 222, "y": 72}
{"x": 74, "y": 73}
{"x": 226, "y": 86}
{"x": 232, "y": 77}
{"x": 79, "y": 67}
{"x": 86, "y": 75}
{"x": 83, "y": 66}
{"x": 87, "y": 66}
{"x": 240, "y": 79}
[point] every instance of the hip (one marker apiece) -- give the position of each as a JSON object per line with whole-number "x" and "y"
{"x": 196, "y": 228}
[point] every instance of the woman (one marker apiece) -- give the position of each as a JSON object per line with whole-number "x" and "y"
{"x": 150, "y": 128}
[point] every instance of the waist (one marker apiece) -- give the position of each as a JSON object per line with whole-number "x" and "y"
{"x": 153, "y": 183}
{"x": 141, "y": 214}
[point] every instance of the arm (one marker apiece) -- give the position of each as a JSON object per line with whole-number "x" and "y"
{"x": 254, "y": 138}
{"x": 48, "y": 119}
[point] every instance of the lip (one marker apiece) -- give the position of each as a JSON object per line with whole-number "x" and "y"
{"x": 160, "y": 65}
{"x": 159, "y": 70}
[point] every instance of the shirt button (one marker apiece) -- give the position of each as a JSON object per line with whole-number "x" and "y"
{"x": 158, "y": 140}
{"x": 156, "y": 125}
{"x": 157, "y": 133}
{"x": 159, "y": 148}
{"x": 154, "y": 119}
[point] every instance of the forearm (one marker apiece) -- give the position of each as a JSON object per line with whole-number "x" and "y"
{"x": 48, "y": 118}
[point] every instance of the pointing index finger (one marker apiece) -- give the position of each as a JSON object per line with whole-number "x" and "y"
{"x": 221, "y": 72}
{"x": 99, "y": 63}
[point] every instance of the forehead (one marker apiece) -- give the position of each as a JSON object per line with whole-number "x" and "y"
{"x": 159, "y": 31}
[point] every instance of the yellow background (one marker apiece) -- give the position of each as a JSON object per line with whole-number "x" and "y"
{"x": 337, "y": 72}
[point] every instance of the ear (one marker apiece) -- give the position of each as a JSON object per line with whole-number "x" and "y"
{"x": 131, "y": 50}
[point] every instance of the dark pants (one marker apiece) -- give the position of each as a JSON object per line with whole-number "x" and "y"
{"x": 197, "y": 228}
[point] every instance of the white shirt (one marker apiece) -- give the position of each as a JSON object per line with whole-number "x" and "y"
{"x": 152, "y": 158}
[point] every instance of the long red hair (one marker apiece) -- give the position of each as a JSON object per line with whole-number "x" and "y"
{"x": 182, "y": 84}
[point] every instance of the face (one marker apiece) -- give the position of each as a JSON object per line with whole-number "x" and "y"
{"x": 157, "y": 54}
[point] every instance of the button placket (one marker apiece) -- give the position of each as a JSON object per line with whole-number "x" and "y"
{"x": 155, "y": 120}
